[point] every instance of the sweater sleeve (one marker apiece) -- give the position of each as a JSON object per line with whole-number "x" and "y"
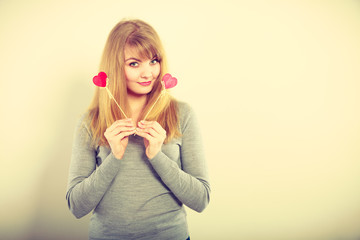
{"x": 87, "y": 183}
{"x": 189, "y": 184}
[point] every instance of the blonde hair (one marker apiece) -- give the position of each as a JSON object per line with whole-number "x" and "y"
{"x": 103, "y": 111}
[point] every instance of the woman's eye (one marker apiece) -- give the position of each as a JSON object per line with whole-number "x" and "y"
{"x": 134, "y": 64}
{"x": 154, "y": 61}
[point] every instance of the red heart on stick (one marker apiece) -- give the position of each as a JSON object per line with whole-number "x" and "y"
{"x": 100, "y": 79}
{"x": 169, "y": 81}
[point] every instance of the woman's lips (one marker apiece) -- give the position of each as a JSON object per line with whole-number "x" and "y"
{"x": 145, "y": 83}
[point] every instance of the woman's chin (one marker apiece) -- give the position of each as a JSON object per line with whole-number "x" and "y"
{"x": 139, "y": 93}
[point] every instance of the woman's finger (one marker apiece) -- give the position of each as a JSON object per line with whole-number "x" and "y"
{"x": 145, "y": 135}
{"x": 125, "y": 134}
{"x": 118, "y": 130}
{"x": 122, "y": 122}
{"x": 152, "y": 124}
{"x": 150, "y": 131}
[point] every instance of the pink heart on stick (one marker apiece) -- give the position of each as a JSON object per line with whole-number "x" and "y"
{"x": 100, "y": 79}
{"x": 169, "y": 81}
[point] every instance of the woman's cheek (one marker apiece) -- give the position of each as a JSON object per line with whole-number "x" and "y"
{"x": 131, "y": 74}
{"x": 157, "y": 71}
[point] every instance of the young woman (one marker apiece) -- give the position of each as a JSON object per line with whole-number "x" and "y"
{"x": 135, "y": 174}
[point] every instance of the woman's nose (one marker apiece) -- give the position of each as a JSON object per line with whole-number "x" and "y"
{"x": 146, "y": 72}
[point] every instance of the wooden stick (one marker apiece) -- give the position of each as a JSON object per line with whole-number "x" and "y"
{"x": 162, "y": 93}
{"x": 111, "y": 96}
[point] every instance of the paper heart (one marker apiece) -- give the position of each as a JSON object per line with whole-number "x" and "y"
{"x": 100, "y": 79}
{"x": 169, "y": 81}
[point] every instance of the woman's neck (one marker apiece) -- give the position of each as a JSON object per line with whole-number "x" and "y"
{"x": 137, "y": 104}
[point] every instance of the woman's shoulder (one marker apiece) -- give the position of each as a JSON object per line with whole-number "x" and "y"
{"x": 184, "y": 108}
{"x": 186, "y": 114}
{"x": 84, "y": 117}
{"x": 83, "y": 122}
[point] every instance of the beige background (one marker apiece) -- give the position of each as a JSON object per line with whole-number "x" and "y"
{"x": 275, "y": 85}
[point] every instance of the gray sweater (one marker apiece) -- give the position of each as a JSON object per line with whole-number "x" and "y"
{"x": 137, "y": 197}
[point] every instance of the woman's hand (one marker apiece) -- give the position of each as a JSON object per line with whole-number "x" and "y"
{"x": 154, "y": 136}
{"x": 117, "y": 136}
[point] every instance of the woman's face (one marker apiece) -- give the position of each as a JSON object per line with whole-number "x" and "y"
{"x": 140, "y": 73}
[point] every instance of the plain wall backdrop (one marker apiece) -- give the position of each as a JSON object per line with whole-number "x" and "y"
{"x": 275, "y": 85}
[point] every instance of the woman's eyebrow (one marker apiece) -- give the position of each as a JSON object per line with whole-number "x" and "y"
{"x": 133, "y": 59}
